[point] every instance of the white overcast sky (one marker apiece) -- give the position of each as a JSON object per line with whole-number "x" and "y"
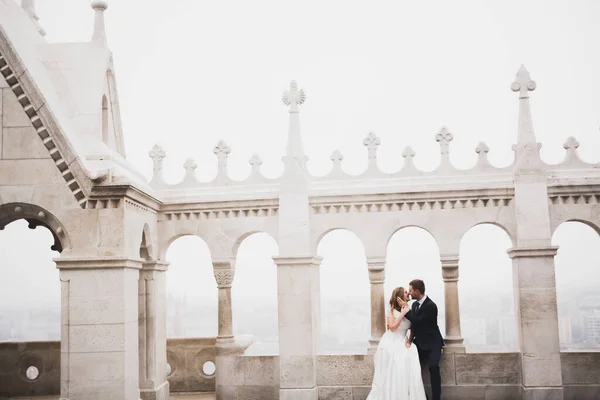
{"x": 191, "y": 73}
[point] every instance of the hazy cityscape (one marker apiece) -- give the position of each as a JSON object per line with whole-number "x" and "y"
{"x": 487, "y": 325}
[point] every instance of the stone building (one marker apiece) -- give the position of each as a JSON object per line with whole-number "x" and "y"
{"x": 63, "y": 167}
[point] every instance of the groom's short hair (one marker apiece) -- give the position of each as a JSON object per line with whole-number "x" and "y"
{"x": 418, "y": 284}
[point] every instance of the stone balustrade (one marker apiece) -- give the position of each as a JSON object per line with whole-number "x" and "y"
{"x": 464, "y": 375}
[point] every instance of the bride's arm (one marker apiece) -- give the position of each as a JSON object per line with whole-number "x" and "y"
{"x": 394, "y": 323}
{"x": 410, "y": 337}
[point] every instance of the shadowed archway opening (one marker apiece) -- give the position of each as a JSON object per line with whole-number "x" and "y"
{"x": 577, "y": 283}
{"x": 345, "y": 294}
{"x": 192, "y": 296}
{"x": 30, "y": 299}
{"x": 486, "y": 294}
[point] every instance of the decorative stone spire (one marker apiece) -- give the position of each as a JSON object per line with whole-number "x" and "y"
{"x": 482, "y": 151}
{"x": 527, "y": 146}
{"x": 444, "y": 137}
{"x": 29, "y": 7}
{"x": 293, "y": 97}
{"x": 255, "y": 164}
{"x": 157, "y": 154}
{"x": 409, "y": 164}
{"x": 99, "y": 34}
{"x": 337, "y": 159}
{"x": 190, "y": 170}
{"x": 372, "y": 142}
{"x": 222, "y": 151}
{"x": 571, "y": 145}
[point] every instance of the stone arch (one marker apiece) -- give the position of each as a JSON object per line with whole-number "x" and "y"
{"x": 324, "y": 232}
{"x": 147, "y": 251}
{"x": 167, "y": 242}
{"x": 254, "y": 266}
{"x": 404, "y": 226}
{"x": 190, "y": 282}
{"x": 413, "y": 253}
{"x": 592, "y": 225}
{"x": 344, "y": 291}
{"x": 246, "y": 235}
{"x": 483, "y": 254}
{"x": 36, "y": 216}
{"x": 577, "y": 280}
{"x": 511, "y": 235}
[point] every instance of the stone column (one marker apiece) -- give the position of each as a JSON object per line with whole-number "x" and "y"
{"x": 537, "y": 320}
{"x": 376, "y": 267}
{"x": 152, "y": 331}
{"x": 453, "y": 339}
{"x": 298, "y": 297}
{"x": 99, "y": 332}
{"x": 224, "y": 274}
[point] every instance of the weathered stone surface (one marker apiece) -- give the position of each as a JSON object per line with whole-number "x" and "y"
{"x": 335, "y": 393}
{"x": 258, "y": 393}
{"x": 488, "y": 369}
{"x": 581, "y": 392}
{"x": 580, "y": 368}
{"x": 345, "y": 370}
{"x": 543, "y": 393}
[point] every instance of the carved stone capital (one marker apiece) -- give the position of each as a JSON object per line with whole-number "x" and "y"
{"x": 223, "y": 263}
{"x": 450, "y": 274}
{"x": 543, "y": 251}
{"x": 376, "y": 276}
{"x": 155, "y": 265}
{"x": 376, "y": 266}
{"x": 224, "y": 277}
{"x": 299, "y": 261}
{"x": 449, "y": 267}
{"x": 449, "y": 260}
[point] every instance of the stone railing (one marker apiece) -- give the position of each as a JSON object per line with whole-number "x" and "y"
{"x": 33, "y": 368}
{"x": 470, "y": 375}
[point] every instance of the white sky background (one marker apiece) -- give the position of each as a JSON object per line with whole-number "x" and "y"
{"x": 191, "y": 73}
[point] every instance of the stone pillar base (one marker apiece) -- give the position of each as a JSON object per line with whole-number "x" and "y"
{"x": 225, "y": 340}
{"x": 373, "y": 343}
{"x": 299, "y": 394}
{"x": 454, "y": 344}
{"x": 543, "y": 393}
{"x": 159, "y": 393}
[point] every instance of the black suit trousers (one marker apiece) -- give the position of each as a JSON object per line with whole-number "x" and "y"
{"x": 431, "y": 358}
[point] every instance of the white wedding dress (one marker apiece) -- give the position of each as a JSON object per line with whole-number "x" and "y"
{"x": 397, "y": 369}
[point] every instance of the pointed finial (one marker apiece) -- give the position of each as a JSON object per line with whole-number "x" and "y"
{"x": 337, "y": 158}
{"x": 190, "y": 170}
{"x": 293, "y": 97}
{"x": 157, "y": 154}
{"x": 255, "y": 163}
{"x": 444, "y": 137}
{"x": 29, "y": 7}
{"x": 99, "y": 34}
{"x": 523, "y": 83}
{"x": 408, "y": 152}
{"x": 222, "y": 150}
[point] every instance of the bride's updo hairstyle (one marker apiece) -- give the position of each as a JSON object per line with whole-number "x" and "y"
{"x": 398, "y": 292}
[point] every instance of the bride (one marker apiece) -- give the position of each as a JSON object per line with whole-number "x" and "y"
{"x": 397, "y": 368}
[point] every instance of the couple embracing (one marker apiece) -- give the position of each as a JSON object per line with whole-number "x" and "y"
{"x": 397, "y": 359}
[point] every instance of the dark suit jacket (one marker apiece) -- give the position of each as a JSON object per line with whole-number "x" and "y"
{"x": 425, "y": 327}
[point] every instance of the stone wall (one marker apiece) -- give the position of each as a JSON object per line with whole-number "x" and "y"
{"x": 345, "y": 377}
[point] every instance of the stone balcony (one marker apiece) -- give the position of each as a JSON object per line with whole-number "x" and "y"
{"x": 243, "y": 376}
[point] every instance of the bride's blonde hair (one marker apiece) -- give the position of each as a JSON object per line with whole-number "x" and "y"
{"x": 398, "y": 292}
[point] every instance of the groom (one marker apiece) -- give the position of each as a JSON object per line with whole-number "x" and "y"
{"x": 428, "y": 338}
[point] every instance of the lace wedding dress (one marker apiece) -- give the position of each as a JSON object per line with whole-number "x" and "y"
{"x": 397, "y": 369}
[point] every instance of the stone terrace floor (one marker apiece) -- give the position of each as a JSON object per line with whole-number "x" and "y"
{"x": 176, "y": 396}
